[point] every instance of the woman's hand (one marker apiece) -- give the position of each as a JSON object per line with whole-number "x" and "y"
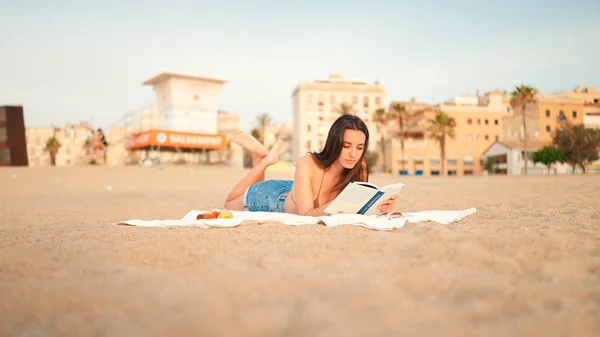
{"x": 388, "y": 205}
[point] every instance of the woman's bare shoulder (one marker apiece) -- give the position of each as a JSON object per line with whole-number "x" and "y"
{"x": 306, "y": 161}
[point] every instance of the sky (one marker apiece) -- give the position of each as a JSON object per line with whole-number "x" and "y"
{"x": 71, "y": 61}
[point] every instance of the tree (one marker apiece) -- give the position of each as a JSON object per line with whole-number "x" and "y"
{"x": 52, "y": 147}
{"x": 441, "y": 126}
{"x": 264, "y": 121}
{"x": 578, "y": 144}
{"x": 488, "y": 164}
{"x": 381, "y": 119}
{"x": 521, "y": 97}
{"x": 547, "y": 155}
{"x": 402, "y": 115}
{"x": 256, "y": 134}
{"x": 345, "y": 109}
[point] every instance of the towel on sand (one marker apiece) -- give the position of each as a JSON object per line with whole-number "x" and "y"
{"x": 368, "y": 221}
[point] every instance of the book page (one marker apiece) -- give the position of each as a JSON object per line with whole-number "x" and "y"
{"x": 389, "y": 191}
{"x": 393, "y": 188}
{"x": 351, "y": 199}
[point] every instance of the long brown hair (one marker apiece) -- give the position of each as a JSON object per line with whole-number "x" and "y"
{"x": 333, "y": 148}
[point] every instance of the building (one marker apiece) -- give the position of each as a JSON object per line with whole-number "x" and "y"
{"x": 149, "y": 119}
{"x": 74, "y": 140}
{"x": 187, "y": 103}
{"x": 188, "y": 120}
{"x": 509, "y": 158}
{"x": 591, "y": 115}
{"x": 13, "y": 145}
{"x": 543, "y": 118}
{"x": 315, "y": 108}
{"x": 478, "y": 124}
{"x": 587, "y": 94}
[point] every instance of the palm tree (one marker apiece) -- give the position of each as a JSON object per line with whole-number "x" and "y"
{"x": 264, "y": 120}
{"x": 345, "y": 109}
{"x": 402, "y": 114}
{"x": 441, "y": 126}
{"x": 381, "y": 118}
{"x": 521, "y": 97}
{"x": 52, "y": 147}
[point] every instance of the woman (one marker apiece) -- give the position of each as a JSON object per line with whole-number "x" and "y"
{"x": 319, "y": 177}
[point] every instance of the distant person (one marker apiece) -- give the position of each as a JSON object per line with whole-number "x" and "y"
{"x": 319, "y": 177}
{"x": 101, "y": 139}
{"x": 100, "y": 143}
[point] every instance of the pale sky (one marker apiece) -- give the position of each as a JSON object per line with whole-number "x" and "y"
{"x": 67, "y": 61}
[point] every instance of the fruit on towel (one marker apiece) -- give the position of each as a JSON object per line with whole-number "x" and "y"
{"x": 208, "y": 215}
{"x": 225, "y": 214}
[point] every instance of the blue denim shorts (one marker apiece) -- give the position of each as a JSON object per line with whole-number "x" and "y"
{"x": 267, "y": 196}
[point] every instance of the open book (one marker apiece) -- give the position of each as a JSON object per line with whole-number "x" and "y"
{"x": 362, "y": 198}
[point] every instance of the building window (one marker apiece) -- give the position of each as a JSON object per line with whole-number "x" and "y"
{"x": 507, "y": 109}
{"x": 468, "y": 172}
{"x": 451, "y": 172}
{"x": 548, "y": 128}
{"x": 487, "y": 137}
{"x": 547, "y": 113}
{"x": 308, "y": 128}
{"x": 354, "y": 99}
{"x": 469, "y": 138}
{"x": 478, "y": 121}
{"x": 435, "y": 172}
{"x": 332, "y": 99}
{"x": 366, "y": 101}
{"x": 486, "y": 121}
{"x": 469, "y": 121}
{"x": 574, "y": 114}
{"x": 451, "y": 161}
{"x": 561, "y": 116}
{"x": 378, "y": 100}
{"x": 478, "y": 137}
{"x": 495, "y": 122}
{"x": 435, "y": 161}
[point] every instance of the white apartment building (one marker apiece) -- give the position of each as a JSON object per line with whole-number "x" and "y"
{"x": 315, "y": 107}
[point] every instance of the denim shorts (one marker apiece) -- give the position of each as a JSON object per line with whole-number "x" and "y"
{"x": 267, "y": 196}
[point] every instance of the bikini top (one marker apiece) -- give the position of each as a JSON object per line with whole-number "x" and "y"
{"x": 316, "y": 201}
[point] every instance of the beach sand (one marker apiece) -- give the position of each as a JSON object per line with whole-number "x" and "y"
{"x": 526, "y": 264}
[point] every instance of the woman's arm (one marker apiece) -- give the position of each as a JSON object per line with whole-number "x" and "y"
{"x": 303, "y": 188}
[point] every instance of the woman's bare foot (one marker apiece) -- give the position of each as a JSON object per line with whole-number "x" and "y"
{"x": 248, "y": 142}
{"x": 277, "y": 150}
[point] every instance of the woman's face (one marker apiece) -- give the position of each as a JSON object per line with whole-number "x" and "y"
{"x": 353, "y": 146}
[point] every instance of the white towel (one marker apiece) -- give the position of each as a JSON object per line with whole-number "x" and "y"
{"x": 368, "y": 221}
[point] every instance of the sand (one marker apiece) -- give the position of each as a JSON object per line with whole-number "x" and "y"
{"x": 526, "y": 264}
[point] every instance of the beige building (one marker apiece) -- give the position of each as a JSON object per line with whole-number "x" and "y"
{"x": 478, "y": 124}
{"x": 71, "y": 137}
{"x": 315, "y": 104}
{"x": 544, "y": 117}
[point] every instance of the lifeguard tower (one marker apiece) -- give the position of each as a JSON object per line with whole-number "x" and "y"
{"x": 187, "y": 115}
